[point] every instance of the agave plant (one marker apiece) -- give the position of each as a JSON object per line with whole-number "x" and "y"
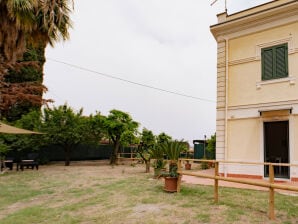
{"x": 172, "y": 150}
{"x": 157, "y": 153}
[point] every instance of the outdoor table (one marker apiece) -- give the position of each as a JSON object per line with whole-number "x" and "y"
{"x": 28, "y": 163}
{"x": 9, "y": 164}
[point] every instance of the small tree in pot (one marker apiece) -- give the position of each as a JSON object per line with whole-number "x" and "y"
{"x": 172, "y": 150}
{"x": 159, "y": 163}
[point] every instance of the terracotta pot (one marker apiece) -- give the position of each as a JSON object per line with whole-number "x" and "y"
{"x": 187, "y": 166}
{"x": 171, "y": 184}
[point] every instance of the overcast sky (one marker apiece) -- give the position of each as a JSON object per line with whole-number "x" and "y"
{"x": 164, "y": 44}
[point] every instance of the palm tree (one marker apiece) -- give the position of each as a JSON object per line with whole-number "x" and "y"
{"x": 28, "y": 22}
{"x": 172, "y": 150}
{"x": 23, "y": 21}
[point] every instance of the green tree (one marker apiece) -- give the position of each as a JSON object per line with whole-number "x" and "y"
{"x": 28, "y": 143}
{"x": 121, "y": 129}
{"x": 211, "y": 146}
{"x": 146, "y": 145}
{"x": 163, "y": 137}
{"x": 3, "y": 150}
{"x": 95, "y": 125}
{"x": 31, "y": 121}
{"x": 60, "y": 125}
{"x": 22, "y": 144}
{"x": 67, "y": 128}
{"x": 26, "y": 80}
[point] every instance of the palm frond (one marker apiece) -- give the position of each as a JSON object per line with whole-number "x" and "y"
{"x": 173, "y": 149}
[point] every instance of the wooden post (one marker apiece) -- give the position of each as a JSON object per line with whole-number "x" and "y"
{"x": 179, "y": 176}
{"x": 216, "y": 183}
{"x": 271, "y": 193}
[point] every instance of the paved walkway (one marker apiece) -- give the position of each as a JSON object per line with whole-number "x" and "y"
{"x": 206, "y": 181}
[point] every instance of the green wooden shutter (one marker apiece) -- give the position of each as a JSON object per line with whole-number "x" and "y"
{"x": 275, "y": 62}
{"x": 281, "y": 62}
{"x": 267, "y": 64}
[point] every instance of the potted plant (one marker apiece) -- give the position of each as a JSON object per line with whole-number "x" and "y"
{"x": 172, "y": 150}
{"x": 159, "y": 167}
{"x": 187, "y": 165}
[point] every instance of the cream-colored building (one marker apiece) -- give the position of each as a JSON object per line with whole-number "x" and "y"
{"x": 257, "y": 89}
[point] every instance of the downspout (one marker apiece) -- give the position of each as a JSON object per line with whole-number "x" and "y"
{"x": 226, "y": 104}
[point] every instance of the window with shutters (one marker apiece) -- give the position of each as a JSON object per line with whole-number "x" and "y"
{"x": 275, "y": 62}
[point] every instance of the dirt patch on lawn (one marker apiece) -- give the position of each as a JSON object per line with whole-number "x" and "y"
{"x": 95, "y": 192}
{"x": 87, "y": 174}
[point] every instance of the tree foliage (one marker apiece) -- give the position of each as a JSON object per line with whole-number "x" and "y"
{"x": 211, "y": 146}
{"x": 65, "y": 127}
{"x": 121, "y": 129}
{"x": 22, "y": 144}
{"x": 31, "y": 21}
{"x": 23, "y": 85}
{"x": 146, "y": 145}
{"x": 61, "y": 126}
{"x": 163, "y": 137}
{"x": 26, "y": 23}
{"x": 148, "y": 140}
{"x": 95, "y": 132}
{"x": 3, "y": 148}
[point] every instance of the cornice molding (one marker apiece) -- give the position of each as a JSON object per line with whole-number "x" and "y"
{"x": 278, "y": 16}
{"x": 265, "y": 105}
{"x": 242, "y": 61}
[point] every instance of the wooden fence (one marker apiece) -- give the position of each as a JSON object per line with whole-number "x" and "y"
{"x": 128, "y": 157}
{"x": 270, "y": 184}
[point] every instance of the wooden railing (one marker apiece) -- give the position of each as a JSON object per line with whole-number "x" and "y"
{"x": 270, "y": 184}
{"x": 128, "y": 156}
{"x": 123, "y": 154}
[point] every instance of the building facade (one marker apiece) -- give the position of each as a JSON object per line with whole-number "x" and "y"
{"x": 257, "y": 89}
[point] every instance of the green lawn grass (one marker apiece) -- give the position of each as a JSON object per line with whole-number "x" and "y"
{"x": 125, "y": 194}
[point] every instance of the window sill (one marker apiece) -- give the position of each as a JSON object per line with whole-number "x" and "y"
{"x": 291, "y": 80}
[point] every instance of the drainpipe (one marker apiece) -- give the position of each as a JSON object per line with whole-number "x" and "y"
{"x": 226, "y": 104}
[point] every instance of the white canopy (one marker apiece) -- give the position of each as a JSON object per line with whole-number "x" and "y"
{"x": 4, "y": 128}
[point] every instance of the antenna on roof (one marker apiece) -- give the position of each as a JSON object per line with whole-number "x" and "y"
{"x": 214, "y": 1}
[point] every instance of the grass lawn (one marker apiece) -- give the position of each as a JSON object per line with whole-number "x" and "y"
{"x": 95, "y": 192}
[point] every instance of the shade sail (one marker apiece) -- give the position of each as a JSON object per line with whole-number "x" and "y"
{"x": 4, "y": 128}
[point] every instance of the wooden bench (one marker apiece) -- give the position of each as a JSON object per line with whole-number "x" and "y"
{"x": 28, "y": 163}
{"x": 8, "y": 164}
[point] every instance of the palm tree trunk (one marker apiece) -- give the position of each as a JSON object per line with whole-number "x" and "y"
{"x": 12, "y": 39}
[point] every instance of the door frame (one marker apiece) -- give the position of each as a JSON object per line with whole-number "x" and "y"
{"x": 288, "y": 144}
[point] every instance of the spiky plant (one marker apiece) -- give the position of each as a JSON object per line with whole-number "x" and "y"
{"x": 172, "y": 150}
